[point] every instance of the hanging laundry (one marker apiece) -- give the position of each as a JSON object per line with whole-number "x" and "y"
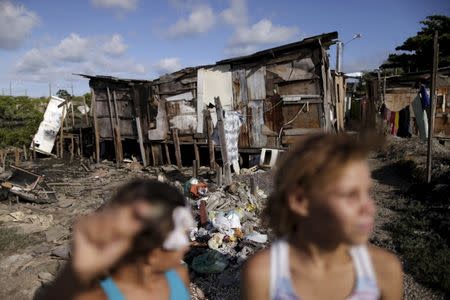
{"x": 403, "y": 123}
{"x": 421, "y": 118}
{"x": 232, "y": 122}
{"x": 424, "y": 96}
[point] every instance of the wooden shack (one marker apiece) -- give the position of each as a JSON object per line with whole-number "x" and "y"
{"x": 121, "y": 114}
{"x": 280, "y": 93}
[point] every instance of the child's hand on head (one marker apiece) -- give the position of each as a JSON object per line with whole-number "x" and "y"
{"x": 102, "y": 238}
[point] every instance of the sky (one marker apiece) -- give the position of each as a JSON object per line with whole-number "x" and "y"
{"x": 43, "y": 42}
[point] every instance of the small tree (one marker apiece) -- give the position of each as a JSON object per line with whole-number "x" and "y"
{"x": 416, "y": 52}
{"x": 63, "y": 94}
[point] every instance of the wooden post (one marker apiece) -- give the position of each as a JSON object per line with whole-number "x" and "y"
{"x": 326, "y": 93}
{"x": 219, "y": 175}
{"x": 113, "y": 126}
{"x": 166, "y": 148}
{"x": 86, "y": 115}
{"x": 34, "y": 151}
{"x": 3, "y": 159}
{"x": 432, "y": 105}
{"x": 148, "y": 150}
{"x": 72, "y": 146}
{"x": 153, "y": 155}
{"x": 176, "y": 144}
{"x": 25, "y": 154}
{"x": 196, "y": 154}
{"x": 194, "y": 168}
{"x": 212, "y": 156}
{"x": 61, "y": 134}
{"x": 117, "y": 129}
{"x": 16, "y": 156}
{"x": 96, "y": 133}
{"x": 141, "y": 141}
{"x": 223, "y": 143}
{"x": 73, "y": 116}
{"x": 80, "y": 143}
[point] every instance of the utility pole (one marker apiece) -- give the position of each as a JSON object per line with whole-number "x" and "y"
{"x": 49, "y": 90}
{"x": 432, "y": 104}
{"x": 10, "y": 88}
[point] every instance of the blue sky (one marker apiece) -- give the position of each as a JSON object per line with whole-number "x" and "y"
{"x": 45, "y": 41}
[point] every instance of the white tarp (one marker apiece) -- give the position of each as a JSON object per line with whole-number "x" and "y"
{"x": 44, "y": 139}
{"x": 213, "y": 82}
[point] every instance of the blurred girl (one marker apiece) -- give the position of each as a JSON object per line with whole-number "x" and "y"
{"x": 322, "y": 215}
{"x": 131, "y": 249}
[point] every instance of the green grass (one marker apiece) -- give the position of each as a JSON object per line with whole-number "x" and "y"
{"x": 424, "y": 246}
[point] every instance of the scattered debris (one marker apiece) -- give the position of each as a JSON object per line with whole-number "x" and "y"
{"x": 210, "y": 262}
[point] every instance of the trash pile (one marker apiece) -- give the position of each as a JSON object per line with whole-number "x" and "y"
{"x": 228, "y": 229}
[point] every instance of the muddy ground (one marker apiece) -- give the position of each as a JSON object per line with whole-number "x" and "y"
{"x": 34, "y": 238}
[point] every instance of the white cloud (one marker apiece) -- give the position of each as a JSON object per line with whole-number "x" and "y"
{"x": 34, "y": 60}
{"x": 248, "y": 39}
{"x": 73, "y": 48}
{"x": 236, "y": 14}
{"x": 263, "y": 32}
{"x": 16, "y": 23}
{"x": 167, "y": 65}
{"x": 115, "y": 46}
{"x": 121, "y": 4}
{"x": 201, "y": 20}
{"x": 77, "y": 54}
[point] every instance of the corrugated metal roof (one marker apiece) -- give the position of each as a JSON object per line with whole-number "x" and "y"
{"x": 326, "y": 39}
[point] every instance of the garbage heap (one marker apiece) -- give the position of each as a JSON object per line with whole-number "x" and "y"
{"x": 228, "y": 231}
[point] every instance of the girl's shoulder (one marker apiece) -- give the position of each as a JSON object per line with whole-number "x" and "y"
{"x": 384, "y": 261}
{"x": 388, "y": 272}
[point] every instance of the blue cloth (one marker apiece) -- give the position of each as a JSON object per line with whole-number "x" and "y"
{"x": 177, "y": 289}
{"x": 424, "y": 96}
{"x": 111, "y": 290}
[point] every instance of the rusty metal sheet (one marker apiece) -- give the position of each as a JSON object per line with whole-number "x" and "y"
{"x": 296, "y": 70}
{"x": 306, "y": 119}
{"x": 298, "y": 88}
{"x": 256, "y": 84}
{"x": 239, "y": 88}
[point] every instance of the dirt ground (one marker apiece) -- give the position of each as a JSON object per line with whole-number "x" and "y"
{"x": 34, "y": 238}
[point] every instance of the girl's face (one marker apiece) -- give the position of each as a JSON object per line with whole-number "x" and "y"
{"x": 344, "y": 209}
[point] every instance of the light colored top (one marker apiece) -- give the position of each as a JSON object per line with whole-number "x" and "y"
{"x": 281, "y": 288}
